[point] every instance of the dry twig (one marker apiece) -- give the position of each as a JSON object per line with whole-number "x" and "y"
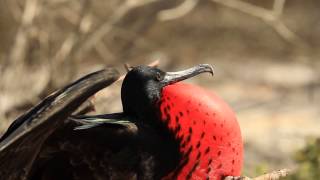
{"x": 64, "y": 57}
{"x": 66, "y": 50}
{"x": 275, "y": 175}
{"x": 21, "y": 42}
{"x": 179, "y": 11}
{"x": 270, "y": 17}
{"x": 106, "y": 27}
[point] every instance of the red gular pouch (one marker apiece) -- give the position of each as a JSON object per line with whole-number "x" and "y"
{"x": 207, "y": 131}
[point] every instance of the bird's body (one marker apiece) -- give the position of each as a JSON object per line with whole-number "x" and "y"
{"x": 112, "y": 152}
{"x": 167, "y": 131}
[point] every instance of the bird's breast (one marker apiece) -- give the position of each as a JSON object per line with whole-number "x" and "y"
{"x": 207, "y": 131}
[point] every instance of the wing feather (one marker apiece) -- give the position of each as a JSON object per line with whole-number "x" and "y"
{"x": 22, "y": 142}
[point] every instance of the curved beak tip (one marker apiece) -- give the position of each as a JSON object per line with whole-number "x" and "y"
{"x": 212, "y": 70}
{"x": 209, "y": 68}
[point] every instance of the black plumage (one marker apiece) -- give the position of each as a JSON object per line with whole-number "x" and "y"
{"x": 48, "y": 142}
{"x": 23, "y": 143}
{"x": 43, "y": 143}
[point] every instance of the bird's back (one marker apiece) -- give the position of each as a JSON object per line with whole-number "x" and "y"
{"x": 114, "y": 152}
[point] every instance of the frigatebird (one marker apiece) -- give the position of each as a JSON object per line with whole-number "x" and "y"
{"x": 150, "y": 139}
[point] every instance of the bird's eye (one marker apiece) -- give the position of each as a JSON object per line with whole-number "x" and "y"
{"x": 158, "y": 76}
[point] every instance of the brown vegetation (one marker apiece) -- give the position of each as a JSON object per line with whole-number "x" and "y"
{"x": 265, "y": 53}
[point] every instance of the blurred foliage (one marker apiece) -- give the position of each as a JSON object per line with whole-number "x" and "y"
{"x": 261, "y": 169}
{"x": 308, "y": 160}
{"x": 257, "y": 169}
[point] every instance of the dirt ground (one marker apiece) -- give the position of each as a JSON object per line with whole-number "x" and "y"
{"x": 267, "y": 70}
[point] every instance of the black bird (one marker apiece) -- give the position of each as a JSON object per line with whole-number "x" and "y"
{"x": 48, "y": 142}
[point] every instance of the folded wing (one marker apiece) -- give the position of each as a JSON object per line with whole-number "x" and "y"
{"x": 21, "y": 144}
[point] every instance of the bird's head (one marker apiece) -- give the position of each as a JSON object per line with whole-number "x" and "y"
{"x": 142, "y": 87}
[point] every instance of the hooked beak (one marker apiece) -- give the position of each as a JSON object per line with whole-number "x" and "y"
{"x": 173, "y": 77}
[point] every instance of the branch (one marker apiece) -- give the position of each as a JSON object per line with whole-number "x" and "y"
{"x": 64, "y": 55}
{"x": 106, "y": 27}
{"x": 179, "y": 11}
{"x": 270, "y": 17}
{"x": 103, "y": 51}
{"x": 68, "y": 46}
{"x": 20, "y": 46}
{"x": 278, "y": 7}
{"x": 275, "y": 175}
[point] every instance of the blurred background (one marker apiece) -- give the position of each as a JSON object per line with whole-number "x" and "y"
{"x": 265, "y": 53}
